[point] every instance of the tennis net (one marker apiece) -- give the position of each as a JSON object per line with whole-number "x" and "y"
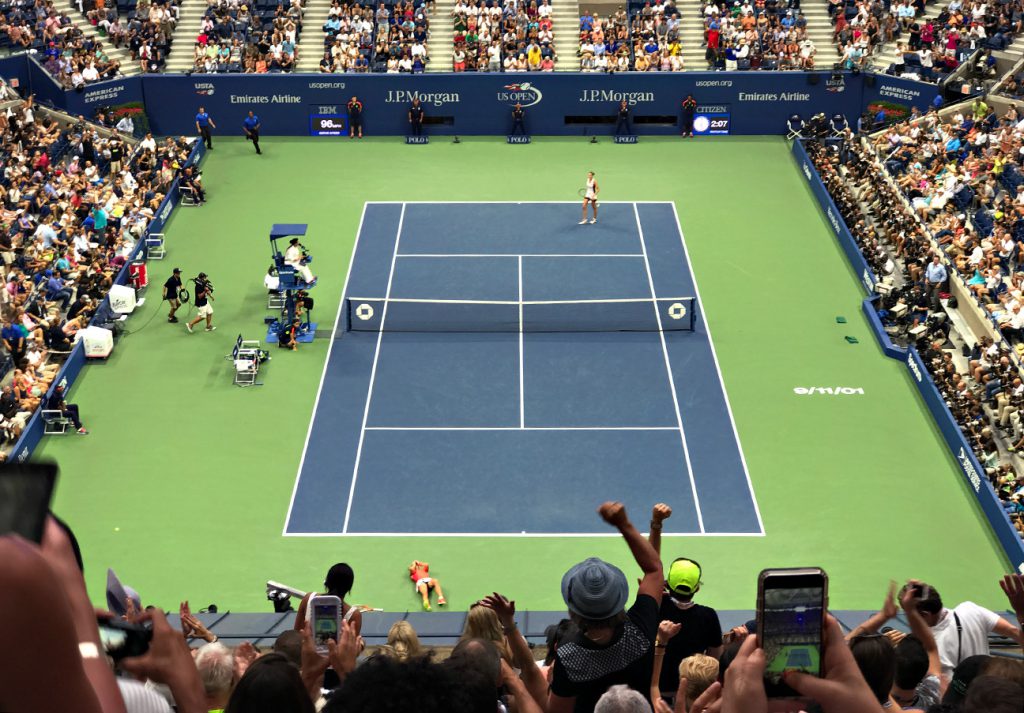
{"x": 415, "y": 315}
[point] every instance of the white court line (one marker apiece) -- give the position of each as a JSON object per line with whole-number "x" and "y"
{"x": 575, "y": 202}
{"x": 718, "y": 369}
{"x": 668, "y": 369}
{"x": 442, "y": 255}
{"x": 506, "y": 535}
{"x": 522, "y": 368}
{"x": 522, "y": 428}
{"x": 418, "y": 300}
{"x": 323, "y": 374}
{"x": 373, "y": 374}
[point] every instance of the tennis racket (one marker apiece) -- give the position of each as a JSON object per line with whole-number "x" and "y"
{"x": 583, "y": 194}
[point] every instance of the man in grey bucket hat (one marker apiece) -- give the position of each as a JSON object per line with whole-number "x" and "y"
{"x": 612, "y": 645}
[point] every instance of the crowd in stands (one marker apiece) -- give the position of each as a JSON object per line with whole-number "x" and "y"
{"x": 76, "y": 200}
{"x": 661, "y": 653}
{"x": 516, "y": 37}
{"x": 927, "y": 48}
{"x": 73, "y": 59}
{"x": 144, "y": 28}
{"x": 234, "y": 37}
{"x": 605, "y": 42}
{"x": 348, "y": 37}
{"x": 402, "y": 34}
{"x": 655, "y": 34}
{"x": 954, "y": 210}
{"x": 759, "y": 35}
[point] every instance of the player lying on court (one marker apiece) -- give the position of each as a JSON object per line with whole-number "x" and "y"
{"x": 419, "y": 573}
{"x": 589, "y": 195}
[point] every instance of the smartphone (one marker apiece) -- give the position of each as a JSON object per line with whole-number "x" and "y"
{"x": 791, "y": 606}
{"x": 326, "y": 619}
{"x": 25, "y": 492}
{"x": 121, "y": 639}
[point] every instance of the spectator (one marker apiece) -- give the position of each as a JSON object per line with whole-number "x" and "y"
{"x": 216, "y": 664}
{"x": 403, "y": 643}
{"x": 595, "y": 593}
{"x": 56, "y": 402}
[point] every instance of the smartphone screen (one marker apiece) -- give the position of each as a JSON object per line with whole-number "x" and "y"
{"x": 325, "y": 621}
{"x": 791, "y": 614}
{"x": 25, "y": 491}
{"x": 121, "y": 639}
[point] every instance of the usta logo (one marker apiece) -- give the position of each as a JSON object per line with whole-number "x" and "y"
{"x": 204, "y": 88}
{"x": 522, "y": 93}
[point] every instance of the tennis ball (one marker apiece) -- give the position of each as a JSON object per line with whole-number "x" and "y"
{"x": 117, "y": 529}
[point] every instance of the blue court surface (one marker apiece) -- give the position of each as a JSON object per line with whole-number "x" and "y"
{"x": 498, "y": 419}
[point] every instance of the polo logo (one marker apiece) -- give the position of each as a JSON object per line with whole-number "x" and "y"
{"x": 518, "y": 139}
{"x": 417, "y": 140}
{"x": 625, "y": 139}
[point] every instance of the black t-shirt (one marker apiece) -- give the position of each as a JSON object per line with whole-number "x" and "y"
{"x": 200, "y": 294}
{"x": 586, "y": 670}
{"x": 416, "y": 113}
{"x": 517, "y": 114}
{"x": 116, "y": 152}
{"x": 623, "y": 112}
{"x": 355, "y": 110}
{"x": 172, "y": 286}
{"x": 701, "y": 631}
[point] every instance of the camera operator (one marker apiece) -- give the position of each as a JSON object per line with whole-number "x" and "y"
{"x": 204, "y": 296}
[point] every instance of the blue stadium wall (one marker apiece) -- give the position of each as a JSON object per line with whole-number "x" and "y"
{"x": 971, "y": 469}
{"x": 567, "y": 104}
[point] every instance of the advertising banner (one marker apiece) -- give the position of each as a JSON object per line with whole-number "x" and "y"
{"x": 481, "y": 104}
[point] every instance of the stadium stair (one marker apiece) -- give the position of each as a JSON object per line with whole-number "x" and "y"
{"x": 439, "y": 41}
{"x": 819, "y": 31}
{"x": 691, "y": 34}
{"x": 190, "y": 17}
{"x": 311, "y": 40}
{"x": 128, "y": 66}
{"x": 565, "y": 22}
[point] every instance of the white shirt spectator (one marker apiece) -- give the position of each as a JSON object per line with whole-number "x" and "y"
{"x": 975, "y": 622}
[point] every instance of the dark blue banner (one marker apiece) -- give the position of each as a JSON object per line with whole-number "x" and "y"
{"x": 555, "y": 104}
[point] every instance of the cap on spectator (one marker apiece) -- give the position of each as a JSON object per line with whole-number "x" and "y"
{"x": 683, "y": 576}
{"x": 965, "y": 672}
{"x": 176, "y": 271}
{"x": 119, "y": 594}
{"x": 48, "y": 273}
{"x": 595, "y": 589}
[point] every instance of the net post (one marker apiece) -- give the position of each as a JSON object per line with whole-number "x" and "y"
{"x": 693, "y": 314}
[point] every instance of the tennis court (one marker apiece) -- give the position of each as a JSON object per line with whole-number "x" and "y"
{"x": 480, "y": 345}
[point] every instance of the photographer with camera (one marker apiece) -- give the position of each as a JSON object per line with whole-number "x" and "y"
{"x": 204, "y": 296}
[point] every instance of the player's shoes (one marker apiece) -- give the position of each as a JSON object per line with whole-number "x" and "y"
{"x": 426, "y": 606}
{"x": 442, "y": 602}
{"x": 593, "y": 220}
{"x": 582, "y": 222}
{"x": 210, "y": 329}
{"x": 189, "y": 328}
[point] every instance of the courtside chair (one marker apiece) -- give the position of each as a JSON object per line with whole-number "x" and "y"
{"x": 55, "y": 423}
{"x": 795, "y": 127}
{"x": 155, "y": 248}
{"x": 838, "y": 124}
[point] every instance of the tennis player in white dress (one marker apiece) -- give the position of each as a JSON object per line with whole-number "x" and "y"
{"x": 590, "y": 197}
